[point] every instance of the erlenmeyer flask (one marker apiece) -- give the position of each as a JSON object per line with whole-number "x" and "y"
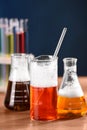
{"x": 71, "y": 100}
{"x": 17, "y": 95}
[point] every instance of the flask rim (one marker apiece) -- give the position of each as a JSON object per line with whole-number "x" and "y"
{"x": 44, "y": 58}
{"x": 70, "y": 59}
{"x": 69, "y": 62}
{"x": 18, "y": 55}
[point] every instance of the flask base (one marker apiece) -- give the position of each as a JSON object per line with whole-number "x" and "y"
{"x": 17, "y": 107}
{"x": 71, "y": 115}
{"x": 69, "y": 108}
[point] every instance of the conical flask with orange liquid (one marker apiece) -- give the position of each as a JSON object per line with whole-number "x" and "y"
{"x": 71, "y": 99}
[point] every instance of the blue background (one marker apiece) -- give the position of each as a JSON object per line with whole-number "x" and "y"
{"x": 46, "y": 21}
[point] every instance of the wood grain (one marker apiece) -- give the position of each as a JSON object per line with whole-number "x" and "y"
{"x": 10, "y": 120}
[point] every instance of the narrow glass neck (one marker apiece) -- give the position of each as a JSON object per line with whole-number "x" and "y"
{"x": 19, "y": 68}
{"x": 70, "y": 64}
{"x": 19, "y": 60}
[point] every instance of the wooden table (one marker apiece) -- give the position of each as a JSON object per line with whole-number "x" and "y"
{"x": 21, "y": 121}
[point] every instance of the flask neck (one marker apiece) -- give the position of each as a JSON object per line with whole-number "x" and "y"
{"x": 70, "y": 64}
{"x": 19, "y": 60}
{"x": 19, "y": 68}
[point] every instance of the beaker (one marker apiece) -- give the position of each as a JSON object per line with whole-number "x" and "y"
{"x": 18, "y": 89}
{"x": 71, "y": 99}
{"x": 43, "y": 88}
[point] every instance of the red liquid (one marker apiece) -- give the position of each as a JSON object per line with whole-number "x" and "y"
{"x": 43, "y": 103}
{"x": 17, "y": 96}
{"x": 20, "y": 43}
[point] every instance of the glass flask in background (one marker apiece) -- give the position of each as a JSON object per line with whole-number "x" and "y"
{"x": 71, "y": 100}
{"x": 18, "y": 90}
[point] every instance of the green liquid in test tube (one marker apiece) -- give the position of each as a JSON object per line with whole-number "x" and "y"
{"x": 10, "y": 43}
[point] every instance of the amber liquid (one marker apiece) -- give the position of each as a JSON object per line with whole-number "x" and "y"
{"x": 17, "y": 96}
{"x": 69, "y": 108}
{"x": 43, "y": 103}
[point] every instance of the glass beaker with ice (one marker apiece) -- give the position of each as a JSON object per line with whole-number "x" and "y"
{"x": 71, "y": 99}
{"x": 43, "y": 88}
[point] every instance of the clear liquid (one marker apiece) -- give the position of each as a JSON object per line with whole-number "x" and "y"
{"x": 18, "y": 96}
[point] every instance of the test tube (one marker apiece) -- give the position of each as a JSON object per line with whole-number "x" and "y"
{"x": 26, "y": 35}
{"x": 14, "y": 24}
{"x": 0, "y": 37}
{"x": 0, "y": 53}
{"x": 10, "y": 41}
{"x": 20, "y": 38}
{"x": 15, "y": 44}
{"x": 4, "y": 25}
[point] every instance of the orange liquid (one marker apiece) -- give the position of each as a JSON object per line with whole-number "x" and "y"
{"x": 69, "y": 108}
{"x": 43, "y": 103}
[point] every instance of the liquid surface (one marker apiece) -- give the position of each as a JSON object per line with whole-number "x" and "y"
{"x": 17, "y": 96}
{"x": 71, "y": 90}
{"x": 69, "y": 108}
{"x": 43, "y": 103}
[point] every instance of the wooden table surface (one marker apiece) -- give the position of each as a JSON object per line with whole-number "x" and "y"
{"x": 10, "y": 120}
